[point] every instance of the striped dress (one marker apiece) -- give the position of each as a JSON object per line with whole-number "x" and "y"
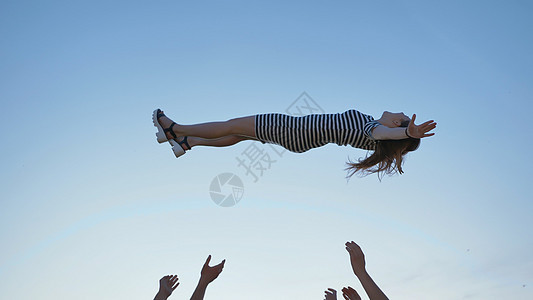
{"x": 299, "y": 134}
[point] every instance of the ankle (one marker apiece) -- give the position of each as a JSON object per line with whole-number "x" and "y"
{"x": 192, "y": 141}
{"x": 185, "y": 142}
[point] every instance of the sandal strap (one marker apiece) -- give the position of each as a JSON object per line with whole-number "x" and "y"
{"x": 169, "y": 129}
{"x": 184, "y": 142}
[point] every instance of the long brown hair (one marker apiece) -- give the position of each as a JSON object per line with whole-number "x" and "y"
{"x": 386, "y": 159}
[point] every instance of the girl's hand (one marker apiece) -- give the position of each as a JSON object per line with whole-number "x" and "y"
{"x": 420, "y": 131}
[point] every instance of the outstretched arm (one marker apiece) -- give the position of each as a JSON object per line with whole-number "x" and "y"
{"x": 167, "y": 285}
{"x": 207, "y": 275}
{"x": 357, "y": 259}
{"x": 382, "y": 132}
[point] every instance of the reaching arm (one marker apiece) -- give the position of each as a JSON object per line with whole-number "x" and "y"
{"x": 382, "y": 132}
{"x": 199, "y": 292}
{"x": 207, "y": 275}
{"x": 167, "y": 285}
{"x": 357, "y": 259}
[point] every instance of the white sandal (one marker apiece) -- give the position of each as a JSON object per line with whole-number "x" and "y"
{"x": 161, "y": 132}
{"x": 177, "y": 147}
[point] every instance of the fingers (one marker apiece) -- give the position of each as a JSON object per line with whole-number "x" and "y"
{"x": 349, "y": 247}
{"x": 168, "y": 283}
{"x": 216, "y": 270}
{"x": 331, "y": 294}
{"x": 206, "y": 264}
{"x": 174, "y": 282}
{"x": 426, "y": 127}
{"x": 211, "y": 273}
{"x": 352, "y": 247}
{"x": 220, "y": 266}
{"x": 350, "y": 294}
{"x": 345, "y": 296}
{"x": 208, "y": 260}
{"x": 222, "y": 263}
{"x": 420, "y": 131}
{"x": 428, "y": 122}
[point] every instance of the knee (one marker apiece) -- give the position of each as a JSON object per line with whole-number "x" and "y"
{"x": 241, "y": 126}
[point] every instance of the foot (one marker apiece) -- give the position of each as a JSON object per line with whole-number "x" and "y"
{"x": 165, "y": 123}
{"x": 184, "y": 145}
{"x": 179, "y": 145}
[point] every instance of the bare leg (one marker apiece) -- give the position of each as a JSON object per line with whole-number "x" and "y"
{"x": 244, "y": 126}
{"x": 220, "y": 142}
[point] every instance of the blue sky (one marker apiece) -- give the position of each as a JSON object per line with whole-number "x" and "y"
{"x": 93, "y": 207}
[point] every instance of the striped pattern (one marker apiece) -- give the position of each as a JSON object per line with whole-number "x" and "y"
{"x": 299, "y": 134}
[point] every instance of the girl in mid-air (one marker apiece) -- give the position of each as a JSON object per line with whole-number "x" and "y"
{"x": 390, "y": 137}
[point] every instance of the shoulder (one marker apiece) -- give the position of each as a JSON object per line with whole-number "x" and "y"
{"x": 369, "y": 127}
{"x": 357, "y": 114}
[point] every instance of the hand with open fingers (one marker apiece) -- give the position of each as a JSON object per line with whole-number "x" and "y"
{"x": 208, "y": 273}
{"x": 167, "y": 285}
{"x": 357, "y": 258}
{"x": 331, "y": 294}
{"x": 420, "y": 131}
{"x": 350, "y": 294}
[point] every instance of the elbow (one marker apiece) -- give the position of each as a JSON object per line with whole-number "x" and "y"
{"x": 376, "y": 135}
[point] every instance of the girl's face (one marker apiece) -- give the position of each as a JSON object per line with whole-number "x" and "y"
{"x": 393, "y": 119}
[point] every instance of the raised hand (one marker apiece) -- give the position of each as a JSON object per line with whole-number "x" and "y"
{"x": 350, "y": 294}
{"x": 420, "y": 131}
{"x": 167, "y": 285}
{"x": 357, "y": 258}
{"x": 208, "y": 273}
{"x": 331, "y": 294}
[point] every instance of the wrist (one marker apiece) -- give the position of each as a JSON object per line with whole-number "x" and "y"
{"x": 407, "y": 133}
{"x": 360, "y": 272}
{"x": 203, "y": 282}
{"x": 160, "y": 296}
